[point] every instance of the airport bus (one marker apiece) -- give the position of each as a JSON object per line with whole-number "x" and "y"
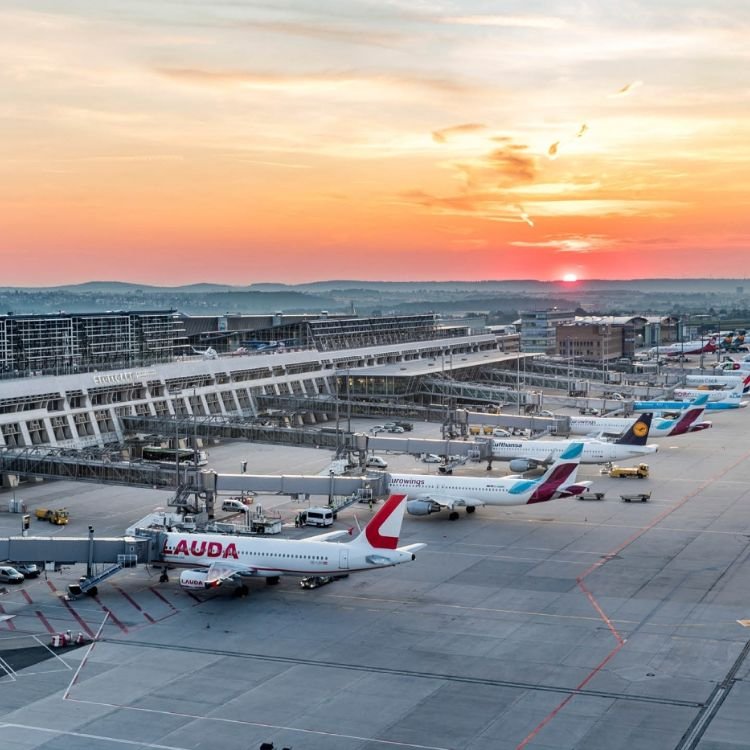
{"x": 170, "y": 456}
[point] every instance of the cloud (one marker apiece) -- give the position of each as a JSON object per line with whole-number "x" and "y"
{"x": 442, "y": 135}
{"x": 572, "y": 244}
{"x": 329, "y": 32}
{"x": 525, "y": 22}
{"x": 627, "y": 89}
{"x": 266, "y": 80}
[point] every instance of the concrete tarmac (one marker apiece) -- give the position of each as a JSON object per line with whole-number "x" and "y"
{"x": 586, "y": 625}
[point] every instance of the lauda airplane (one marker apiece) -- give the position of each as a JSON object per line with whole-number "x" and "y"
{"x": 430, "y": 494}
{"x": 660, "y": 426}
{"x": 218, "y": 559}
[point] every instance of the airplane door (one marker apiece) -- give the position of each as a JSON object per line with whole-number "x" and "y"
{"x": 344, "y": 559}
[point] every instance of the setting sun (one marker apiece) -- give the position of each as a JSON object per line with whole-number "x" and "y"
{"x": 570, "y": 277}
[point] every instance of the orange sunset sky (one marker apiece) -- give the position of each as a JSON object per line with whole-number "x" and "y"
{"x": 176, "y": 141}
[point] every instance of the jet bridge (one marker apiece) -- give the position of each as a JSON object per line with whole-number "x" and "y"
{"x": 292, "y": 484}
{"x": 477, "y": 450}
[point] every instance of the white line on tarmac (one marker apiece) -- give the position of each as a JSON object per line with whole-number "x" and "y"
{"x": 84, "y": 735}
{"x": 241, "y": 722}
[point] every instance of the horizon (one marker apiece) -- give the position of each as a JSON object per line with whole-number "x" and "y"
{"x": 374, "y": 140}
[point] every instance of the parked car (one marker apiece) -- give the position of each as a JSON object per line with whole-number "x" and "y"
{"x": 27, "y": 569}
{"x": 376, "y": 462}
{"x": 431, "y": 458}
{"x": 10, "y": 575}
{"x": 396, "y": 428}
{"x": 377, "y": 428}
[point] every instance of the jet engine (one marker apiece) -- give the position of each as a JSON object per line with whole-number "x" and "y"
{"x": 522, "y": 464}
{"x": 193, "y": 579}
{"x": 421, "y": 507}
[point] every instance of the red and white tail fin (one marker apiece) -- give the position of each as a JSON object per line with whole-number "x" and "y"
{"x": 384, "y": 528}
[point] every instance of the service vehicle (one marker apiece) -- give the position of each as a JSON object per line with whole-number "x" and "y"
{"x": 27, "y": 569}
{"x": 376, "y": 462}
{"x": 638, "y": 497}
{"x": 235, "y": 505}
{"x": 318, "y": 517}
{"x": 431, "y": 458}
{"x": 637, "y": 472}
{"x": 10, "y": 575}
{"x": 57, "y": 516}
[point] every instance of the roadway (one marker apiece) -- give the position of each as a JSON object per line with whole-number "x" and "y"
{"x": 587, "y": 625}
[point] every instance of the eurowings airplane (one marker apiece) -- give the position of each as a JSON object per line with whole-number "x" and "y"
{"x": 529, "y": 454}
{"x": 429, "y": 493}
{"x": 660, "y": 426}
{"x": 217, "y": 559}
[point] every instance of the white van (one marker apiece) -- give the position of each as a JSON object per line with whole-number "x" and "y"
{"x": 318, "y": 517}
{"x": 376, "y": 462}
{"x": 235, "y": 506}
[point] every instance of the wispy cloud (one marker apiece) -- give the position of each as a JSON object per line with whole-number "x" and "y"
{"x": 509, "y": 21}
{"x": 442, "y": 135}
{"x": 572, "y": 244}
{"x": 281, "y": 80}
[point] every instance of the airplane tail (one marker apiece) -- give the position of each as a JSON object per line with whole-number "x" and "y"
{"x": 383, "y": 530}
{"x": 562, "y": 473}
{"x": 688, "y": 420}
{"x": 637, "y": 434}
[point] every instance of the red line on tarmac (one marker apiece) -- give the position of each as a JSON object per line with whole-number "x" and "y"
{"x": 70, "y": 609}
{"x": 27, "y": 595}
{"x": 595, "y": 566}
{"x": 10, "y": 624}
{"x": 112, "y": 617}
{"x": 163, "y": 598}
{"x": 45, "y": 622}
{"x": 134, "y": 603}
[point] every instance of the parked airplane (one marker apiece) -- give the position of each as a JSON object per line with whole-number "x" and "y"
{"x": 725, "y": 382}
{"x": 529, "y": 454}
{"x": 671, "y": 406}
{"x": 209, "y": 353}
{"x": 430, "y": 494}
{"x": 688, "y": 394}
{"x": 685, "y": 347}
{"x": 660, "y": 427}
{"x": 223, "y": 559}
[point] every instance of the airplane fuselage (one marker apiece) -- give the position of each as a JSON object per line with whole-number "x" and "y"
{"x": 547, "y": 451}
{"x": 274, "y": 557}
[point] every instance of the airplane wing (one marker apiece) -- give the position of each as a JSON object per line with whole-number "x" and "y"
{"x": 219, "y": 572}
{"x": 331, "y": 536}
{"x": 449, "y": 503}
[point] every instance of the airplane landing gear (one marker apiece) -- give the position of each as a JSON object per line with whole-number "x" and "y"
{"x": 470, "y": 508}
{"x": 453, "y": 515}
{"x": 489, "y": 465}
{"x": 272, "y": 581}
{"x": 164, "y": 578}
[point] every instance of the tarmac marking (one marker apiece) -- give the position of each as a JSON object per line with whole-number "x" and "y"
{"x": 134, "y": 603}
{"x": 70, "y": 609}
{"x": 45, "y": 622}
{"x": 8, "y": 619}
{"x": 94, "y": 641}
{"x": 161, "y": 596}
{"x": 8, "y": 670}
{"x": 598, "y": 564}
{"x": 87, "y": 736}
{"x": 27, "y": 596}
{"x": 57, "y": 656}
{"x": 111, "y": 614}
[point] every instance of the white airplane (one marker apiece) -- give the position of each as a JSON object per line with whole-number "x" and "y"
{"x": 209, "y": 353}
{"x": 525, "y": 455}
{"x": 725, "y": 382}
{"x": 429, "y": 493}
{"x": 685, "y": 347}
{"x": 218, "y": 558}
{"x": 660, "y": 426}
{"x": 688, "y": 394}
